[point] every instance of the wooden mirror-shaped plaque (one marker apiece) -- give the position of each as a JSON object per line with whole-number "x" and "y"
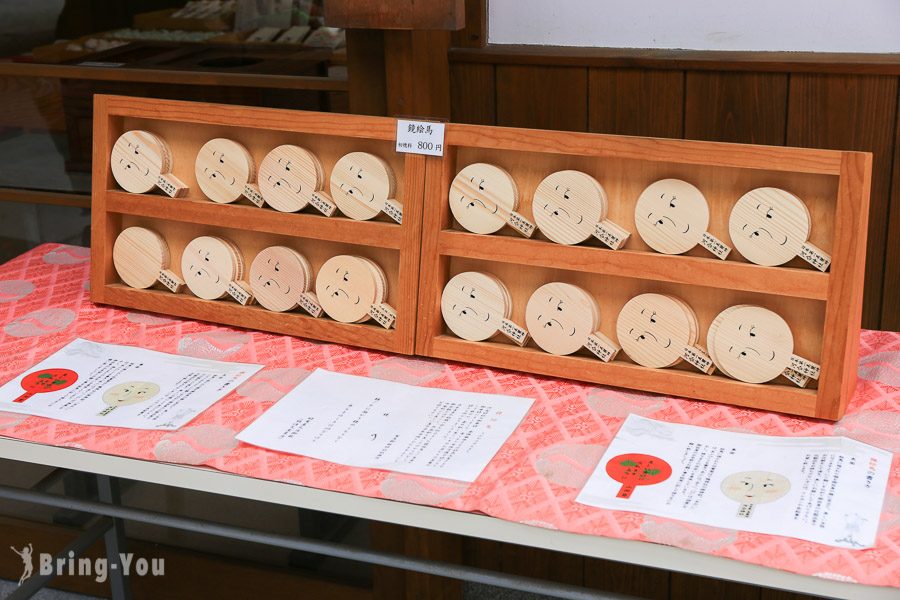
{"x": 224, "y": 168}
{"x": 474, "y": 305}
{"x": 770, "y": 226}
{"x": 562, "y": 318}
{"x": 672, "y": 216}
{"x": 289, "y": 176}
{"x": 349, "y": 286}
{"x": 571, "y": 206}
{"x": 363, "y": 185}
{"x": 755, "y": 345}
{"x": 142, "y": 161}
{"x": 209, "y": 265}
{"x": 279, "y": 277}
{"x": 139, "y": 255}
{"x": 484, "y": 198}
{"x": 659, "y": 331}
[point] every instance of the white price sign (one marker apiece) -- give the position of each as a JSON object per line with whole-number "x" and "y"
{"x": 420, "y": 137}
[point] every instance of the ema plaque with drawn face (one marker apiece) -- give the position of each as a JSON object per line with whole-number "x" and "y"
{"x": 362, "y": 185}
{"x": 223, "y": 169}
{"x": 209, "y": 264}
{"x": 288, "y": 176}
{"x": 474, "y": 305}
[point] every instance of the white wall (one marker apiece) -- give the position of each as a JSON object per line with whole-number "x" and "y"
{"x": 801, "y": 25}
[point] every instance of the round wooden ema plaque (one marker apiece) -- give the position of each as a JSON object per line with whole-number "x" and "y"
{"x": 278, "y": 275}
{"x": 138, "y": 159}
{"x": 288, "y": 175}
{"x": 654, "y": 330}
{"x": 567, "y": 205}
{"x": 139, "y": 254}
{"x": 482, "y": 196}
{"x": 348, "y": 286}
{"x": 223, "y": 170}
{"x": 750, "y": 343}
{"x": 769, "y": 226}
{"x": 671, "y": 216}
{"x": 209, "y": 264}
{"x": 561, "y": 316}
{"x": 361, "y": 184}
{"x": 473, "y": 305}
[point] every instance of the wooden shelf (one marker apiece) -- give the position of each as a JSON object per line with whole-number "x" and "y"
{"x": 253, "y": 218}
{"x": 822, "y": 309}
{"x": 187, "y": 126}
{"x": 800, "y": 283}
{"x": 229, "y": 312}
{"x": 624, "y": 374}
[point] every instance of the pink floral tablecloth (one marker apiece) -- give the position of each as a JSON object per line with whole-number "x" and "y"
{"x": 534, "y": 479}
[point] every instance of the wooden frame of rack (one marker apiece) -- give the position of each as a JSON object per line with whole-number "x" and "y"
{"x": 186, "y": 126}
{"x": 822, "y": 308}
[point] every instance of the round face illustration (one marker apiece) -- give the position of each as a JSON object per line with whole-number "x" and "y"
{"x": 360, "y": 185}
{"x": 223, "y": 168}
{"x": 755, "y": 487}
{"x": 46, "y": 380}
{"x": 347, "y": 286}
{"x": 209, "y": 264}
{"x": 560, "y": 316}
{"x": 482, "y": 196}
{"x": 567, "y": 205}
{"x": 131, "y": 392}
{"x": 138, "y": 256}
{"x": 751, "y": 343}
{"x": 473, "y": 305}
{"x": 654, "y": 330}
{"x": 671, "y": 216}
{"x": 278, "y": 275}
{"x": 769, "y": 226}
{"x": 138, "y": 159}
{"x": 287, "y": 176}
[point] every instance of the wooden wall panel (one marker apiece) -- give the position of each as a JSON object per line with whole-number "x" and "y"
{"x": 542, "y": 97}
{"x": 890, "y": 304}
{"x": 693, "y": 587}
{"x": 636, "y": 102}
{"x": 473, "y": 94}
{"x": 542, "y": 564}
{"x": 622, "y": 578}
{"x": 736, "y": 107}
{"x": 850, "y": 112}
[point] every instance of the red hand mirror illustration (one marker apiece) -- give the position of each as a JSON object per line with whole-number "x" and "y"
{"x": 46, "y": 380}
{"x": 632, "y": 470}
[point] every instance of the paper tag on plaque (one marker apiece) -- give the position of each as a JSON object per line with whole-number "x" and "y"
{"x": 384, "y": 314}
{"x": 601, "y": 346}
{"x": 815, "y": 256}
{"x": 322, "y": 203}
{"x": 517, "y": 334}
{"x": 610, "y": 234}
{"x": 251, "y": 193}
{"x": 719, "y": 248}
{"x": 394, "y": 210}
{"x": 804, "y": 367}
{"x": 172, "y": 281}
{"x": 310, "y": 303}
{"x": 699, "y": 359}
{"x": 171, "y": 185}
{"x": 240, "y": 291}
{"x": 521, "y": 224}
{"x": 796, "y": 378}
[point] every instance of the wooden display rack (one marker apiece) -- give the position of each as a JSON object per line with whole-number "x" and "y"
{"x": 187, "y": 126}
{"x": 420, "y": 256}
{"x": 823, "y": 308}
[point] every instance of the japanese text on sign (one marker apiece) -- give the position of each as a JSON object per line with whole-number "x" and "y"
{"x": 420, "y": 137}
